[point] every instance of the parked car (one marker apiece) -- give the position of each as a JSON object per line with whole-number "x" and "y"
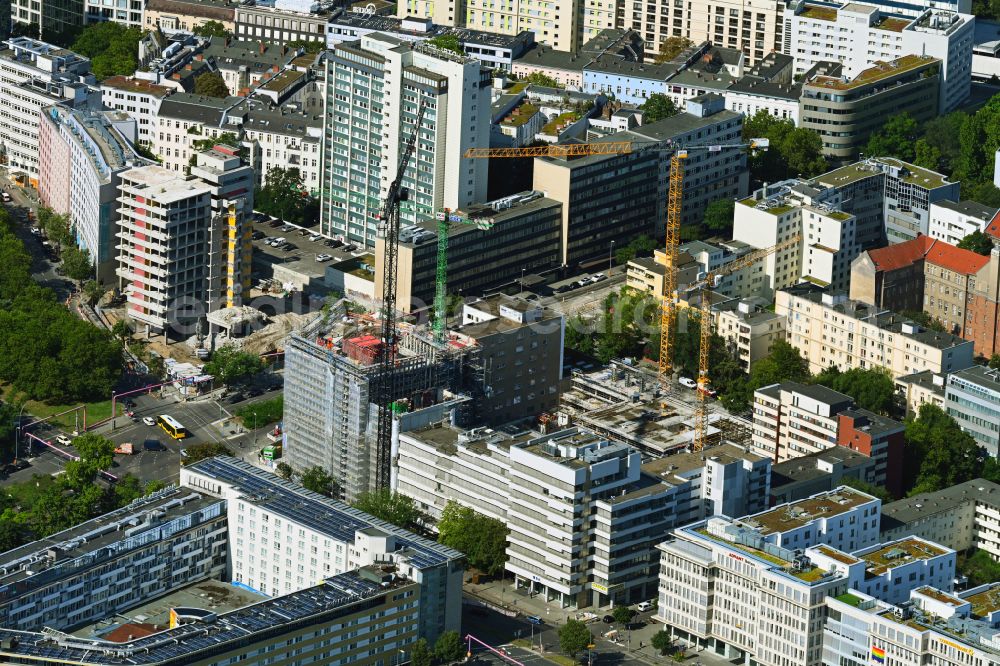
{"x": 534, "y": 619}
{"x": 688, "y": 382}
{"x": 323, "y": 257}
{"x": 584, "y": 281}
{"x": 335, "y": 242}
{"x": 274, "y": 224}
{"x": 234, "y": 398}
{"x": 645, "y": 606}
{"x": 255, "y": 391}
{"x": 286, "y": 228}
{"x": 152, "y": 445}
{"x": 609, "y": 619}
{"x": 287, "y": 247}
{"x": 350, "y": 247}
{"x": 315, "y": 237}
{"x": 5, "y": 196}
{"x": 257, "y": 235}
{"x": 597, "y": 277}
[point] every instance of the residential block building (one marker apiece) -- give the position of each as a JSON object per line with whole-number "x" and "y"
{"x": 756, "y": 28}
{"x": 55, "y": 19}
{"x": 858, "y": 35}
{"x": 964, "y": 516}
{"x": 375, "y": 89}
{"x": 281, "y": 21}
{"x": 595, "y": 215}
{"x": 792, "y": 420}
{"x": 921, "y": 274}
{"x": 530, "y": 481}
{"x": 830, "y": 329}
{"x": 808, "y": 475}
{"x": 81, "y": 154}
{"x": 920, "y": 388}
{"x": 748, "y": 330}
{"x": 138, "y": 98}
{"x": 845, "y": 110}
{"x": 130, "y": 15}
{"x": 952, "y": 221}
{"x": 322, "y": 538}
{"x": 112, "y": 563}
{"x": 172, "y": 16}
{"x": 35, "y": 75}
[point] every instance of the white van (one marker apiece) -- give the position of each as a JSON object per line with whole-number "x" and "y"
{"x": 645, "y": 606}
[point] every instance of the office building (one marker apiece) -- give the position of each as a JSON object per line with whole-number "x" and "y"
{"x": 756, "y": 28}
{"x": 829, "y": 237}
{"x": 921, "y": 274}
{"x": 519, "y": 231}
{"x": 951, "y": 222}
{"x": 527, "y": 480}
{"x": 858, "y": 35}
{"x": 964, "y": 516}
{"x": 919, "y": 389}
{"x": 566, "y": 67}
{"x": 856, "y": 106}
{"x": 172, "y": 16}
{"x": 932, "y": 625}
{"x": 130, "y": 15}
{"x": 369, "y": 118}
{"x": 791, "y": 420}
{"x": 81, "y": 154}
{"x": 748, "y": 330}
{"x": 35, "y": 75}
{"x": 830, "y": 329}
{"x": 972, "y": 398}
{"x": 594, "y": 215}
{"x": 889, "y": 198}
{"x": 322, "y": 538}
{"x": 112, "y": 563}
{"x": 56, "y": 20}
{"x": 138, "y": 98}
{"x": 163, "y": 246}
{"x": 281, "y": 21}
{"x": 646, "y": 274}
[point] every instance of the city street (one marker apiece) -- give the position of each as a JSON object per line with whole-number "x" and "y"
{"x": 43, "y": 270}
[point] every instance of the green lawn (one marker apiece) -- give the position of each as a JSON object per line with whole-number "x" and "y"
{"x": 96, "y": 411}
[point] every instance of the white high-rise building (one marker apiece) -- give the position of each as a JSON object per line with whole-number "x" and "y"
{"x": 859, "y": 35}
{"x": 375, "y": 88}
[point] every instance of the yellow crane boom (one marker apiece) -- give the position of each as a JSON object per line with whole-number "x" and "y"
{"x": 555, "y": 150}
{"x": 705, "y": 286}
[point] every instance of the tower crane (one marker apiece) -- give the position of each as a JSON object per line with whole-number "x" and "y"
{"x": 444, "y": 221}
{"x": 668, "y": 314}
{"x": 704, "y": 286}
{"x": 385, "y": 384}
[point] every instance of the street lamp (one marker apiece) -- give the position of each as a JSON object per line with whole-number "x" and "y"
{"x": 17, "y": 432}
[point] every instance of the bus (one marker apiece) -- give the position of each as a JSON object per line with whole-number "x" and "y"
{"x": 171, "y": 426}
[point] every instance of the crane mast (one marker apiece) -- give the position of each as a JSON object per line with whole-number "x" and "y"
{"x": 385, "y": 384}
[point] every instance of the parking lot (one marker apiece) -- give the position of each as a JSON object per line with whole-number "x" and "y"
{"x": 302, "y": 250}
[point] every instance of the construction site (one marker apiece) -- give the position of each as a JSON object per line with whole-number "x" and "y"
{"x": 629, "y": 405}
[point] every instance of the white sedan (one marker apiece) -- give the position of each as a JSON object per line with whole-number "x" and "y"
{"x": 149, "y": 420}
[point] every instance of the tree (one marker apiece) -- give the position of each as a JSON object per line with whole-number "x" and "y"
{"x": 866, "y": 487}
{"x": 896, "y": 138}
{"x": 196, "y": 452}
{"x": 574, "y": 637}
{"x": 211, "y": 84}
{"x": 390, "y": 507}
{"x": 483, "y": 540}
{"x": 211, "y": 29}
{"x": 449, "y": 647}
{"x": 938, "y": 453}
{"x": 93, "y": 291}
{"x": 622, "y": 614}
{"x": 232, "y": 366}
{"x": 671, "y": 47}
{"x": 943, "y": 135}
{"x": 56, "y": 226}
{"x": 978, "y": 242}
{"x": 657, "y": 107}
{"x": 283, "y": 195}
{"x": 122, "y": 331}
{"x": 113, "y": 49}
{"x": 792, "y": 151}
{"x": 802, "y": 150}
{"x": 284, "y": 470}
{"x": 96, "y": 454}
{"x": 871, "y": 388}
{"x": 995, "y": 361}
{"x": 980, "y": 568}
{"x": 318, "y": 480}
{"x": 421, "y": 654}
{"x": 661, "y": 641}
{"x": 449, "y": 42}
{"x": 719, "y": 215}
{"x": 926, "y": 155}
{"x": 307, "y": 45}
{"x": 539, "y": 79}
{"x": 783, "y": 363}
{"x": 76, "y": 264}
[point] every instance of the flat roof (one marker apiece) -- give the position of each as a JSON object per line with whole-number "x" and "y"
{"x": 806, "y": 468}
{"x": 130, "y": 84}
{"x": 798, "y": 514}
{"x": 968, "y": 207}
{"x": 890, "y": 555}
{"x": 673, "y": 468}
{"x": 879, "y": 71}
{"x": 819, "y": 12}
{"x": 986, "y": 601}
{"x": 980, "y": 375}
{"x": 902, "y": 512}
{"x": 330, "y": 517}
{"x": 879, "y": 166}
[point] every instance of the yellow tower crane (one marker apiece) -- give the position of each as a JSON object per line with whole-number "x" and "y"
{"x": 705, "y": 286}
{"x": 674, "y": 201}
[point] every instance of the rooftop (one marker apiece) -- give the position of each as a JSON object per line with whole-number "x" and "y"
{"x": 899, "y": 514}
{"x": 879, "y": 71}
{"x": 892, "y": 23}
{"x": 819, "y": 12}
{"x": 129, "y": 84}
{"x": 807, "y": 468}
{"x": 220, "y": 10}
{"x": 878, "y": 166}
{"x": 924, "y": 379}
{"x": 970, "y": 208}
{"x": 798, "y": 514}
{"x": 935, "y": 251}
{"x": 674, "y": 469}
{"x": 885, "y": 556}
{"x": 980, "y": 375}
{"x": 985, "y": 601}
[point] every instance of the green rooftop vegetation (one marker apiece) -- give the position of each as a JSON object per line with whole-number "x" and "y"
{"x": 819, "y": 13}
{"x": 877, "y": 72}
{"x": 749, "y": 201}
{"x": 520, "y": 115}
{"x": 892, "y": 24}
{"x": 554, "y": 125}
{"x": 747, "y": 549}
{"x": 838, "y": 215}
{"x": 778, "y": 210}
{"x": 517, "y": 88}
{"x": 850, "y": 599}
{"x": 809, "y": 575}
